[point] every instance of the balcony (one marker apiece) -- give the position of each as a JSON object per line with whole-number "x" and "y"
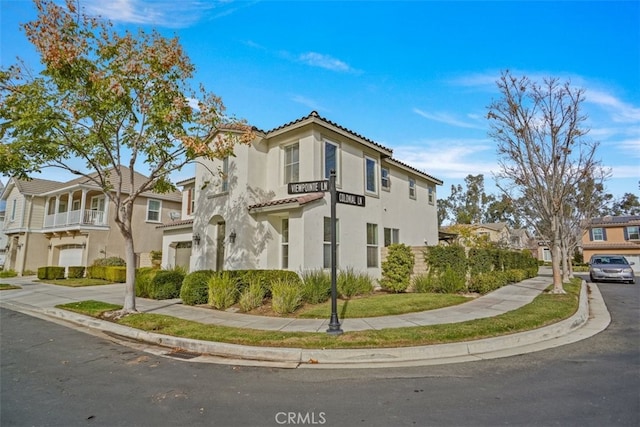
{"x": 77, "y": 217}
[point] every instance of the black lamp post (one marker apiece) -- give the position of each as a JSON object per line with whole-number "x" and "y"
{"x": 334, "y": 323}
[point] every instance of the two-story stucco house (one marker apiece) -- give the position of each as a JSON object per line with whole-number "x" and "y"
{"x": 72, "y": 223}
{"x": 619, "y": 235}
{"x": 243, "y": 216}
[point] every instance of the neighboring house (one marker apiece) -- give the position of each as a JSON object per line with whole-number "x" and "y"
{"x": 244, "y": 218}
{"x": 177, "y": 234}
{"x": 618, "y": 235}
{"x": 499, "y": 234}
{"x": 72, "y": 223}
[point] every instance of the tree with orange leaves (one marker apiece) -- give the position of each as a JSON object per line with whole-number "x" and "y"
{"x": 113, "y": 101}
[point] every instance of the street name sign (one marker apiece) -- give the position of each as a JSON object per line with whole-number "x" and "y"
{"x": 308, "y": 187}
{"x": 350, "y": 199}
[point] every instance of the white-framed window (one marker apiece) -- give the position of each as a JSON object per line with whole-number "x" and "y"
{"x": 331, "y": 159}
{"x": 632, "y": 233}
{"x": 326, "y": 245}
{"x": 191, "y": 200}
{"x": 432, "y": 195}
{"x": 75, "y": 205}
{"x": 385, "y": 179}
{"x": 285, "y": 243}
{"x": 370, "y": 175}
{"x": 597, "y": 234}
{"x": 225, "y": 175}
{"x": 391, "y": 236}
{"x": 153, "y": 210}
{"x": 412, "y": 188}
{"x": 372, "y": 245}
{"x": 97, "y": 203}
{"x": 292, "y": 163}
{"x": 14, "y": 203}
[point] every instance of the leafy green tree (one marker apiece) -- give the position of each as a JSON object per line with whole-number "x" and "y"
{"x": 468, "y": 204}
{"x": 628, "y": 204}
{"x": 111, "y": 101}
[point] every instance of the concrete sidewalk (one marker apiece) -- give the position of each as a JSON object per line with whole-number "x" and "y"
{"x": 40, "y": 299}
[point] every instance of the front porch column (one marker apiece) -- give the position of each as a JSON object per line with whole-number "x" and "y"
{"x": 69, "y": 203}
{"x": 83, "y": 205}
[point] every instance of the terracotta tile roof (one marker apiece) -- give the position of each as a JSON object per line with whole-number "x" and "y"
{"x": 176, "y": 223}
{"x": 315, "y": 117}
{"x": 300, "y": 200}
{"x": 628, "y": 244}
{"x": 36, "y": 186}
{"x": 417, "y": 171}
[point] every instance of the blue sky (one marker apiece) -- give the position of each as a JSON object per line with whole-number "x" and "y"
{"x": 415, "y": 76}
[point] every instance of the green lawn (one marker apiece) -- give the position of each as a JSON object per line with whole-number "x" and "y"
{"x": 544, "y": 310}
{"x": 7, "y": 286}
{"x": 76, "y": 283}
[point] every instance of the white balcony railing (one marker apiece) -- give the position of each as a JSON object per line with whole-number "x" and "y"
{"x": 78, "y": 217}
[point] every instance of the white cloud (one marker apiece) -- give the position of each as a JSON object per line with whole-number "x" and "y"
{"x": 450, "y": 158}
{"x": 447, "y": 118}
{"x": 328, "y": 62}
{"x": 163, "y": 13}
{"x": 308, "y": 102}
{"x": 621, "y": 112}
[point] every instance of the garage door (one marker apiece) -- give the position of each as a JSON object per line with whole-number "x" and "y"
{"x": 70, "y": 256}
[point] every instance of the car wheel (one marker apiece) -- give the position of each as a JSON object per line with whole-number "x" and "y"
{"x": 592, "y": 279}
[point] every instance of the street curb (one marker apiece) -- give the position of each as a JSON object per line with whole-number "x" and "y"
{"x": 503, "y": 346}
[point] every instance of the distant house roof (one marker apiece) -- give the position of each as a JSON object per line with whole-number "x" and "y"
{"x": 178, "y": 223}
{"x": 37, "y": 186}
{"x": 616, "y": 221}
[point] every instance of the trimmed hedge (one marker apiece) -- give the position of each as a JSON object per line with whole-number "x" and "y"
{"x": 111, "y": 274}
{"x": 51, "y": 273}
{"x": 144, "y": 276}
{"x": 75, "y": 272}
{"x": 166, "y": 284}
{"x": 195, "y": 288}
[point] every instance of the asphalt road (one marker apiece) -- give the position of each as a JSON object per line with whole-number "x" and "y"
{"x": 53, "y": 375}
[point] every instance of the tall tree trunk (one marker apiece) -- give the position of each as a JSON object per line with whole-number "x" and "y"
{"x": 556, "y": 258}
{"x": 130, "y": 285}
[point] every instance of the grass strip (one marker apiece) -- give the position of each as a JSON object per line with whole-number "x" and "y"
{"x": 7, "y": 286}
{"x": 76, "y": 283}
{"x": 545, "y": 309}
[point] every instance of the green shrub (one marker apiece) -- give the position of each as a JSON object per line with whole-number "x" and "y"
{"x": 144, "y": 276}
{"x": 286, "y": 296}
{"x": 195, "y": 287}
{"x": 424, "y": 283}
{"x": 350, "y": 283}
{"x": 484, "y": 283}
{"x": 75, "y": 272}
{"x": 253, "y": 295}
{"x": 113, "y": 261}
{"x": 166, "y": 284}
{"x": 316, "y": 286}
{"x": 223, "y": 291}
{"x": 8, "y": 273}
{"x": 51, "y": 273}
{"x": 96, "y": 272}
{"x": 397, "y": 268}
{"x": 115, "y": 274}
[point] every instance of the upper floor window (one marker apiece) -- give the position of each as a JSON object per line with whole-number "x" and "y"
{"x": 331, "y": 159}
{"x": 13, "y": 210}
{"x": 292, "y": 163}
{"x": 385, "y": 181}
{"x": 370, "y": 175}
{"x": 412, "y": 188}
{"x": 191, "y": 201}
{"x": 153, "y": 210}
{"x": 632, "y": 233}
{"x": 432, "y": 195}
{"x": 598, "y": 234}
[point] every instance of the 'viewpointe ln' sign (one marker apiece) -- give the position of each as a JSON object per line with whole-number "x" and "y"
{"x": 308, "y": 187}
